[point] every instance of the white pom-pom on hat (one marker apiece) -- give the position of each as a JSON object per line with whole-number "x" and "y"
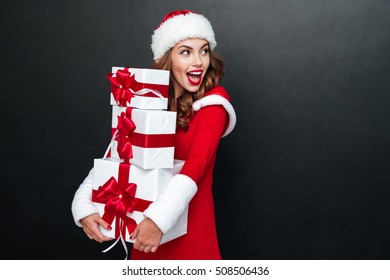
{"x": 178, "y": 26}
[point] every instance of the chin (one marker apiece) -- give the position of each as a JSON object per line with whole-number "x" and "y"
{"x": 192, "y": 89}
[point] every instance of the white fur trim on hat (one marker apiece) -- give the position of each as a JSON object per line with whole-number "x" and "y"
{"x": 215, "y": 99}
{"x": 178, "y": 28}
{"x": 172, "y": 202}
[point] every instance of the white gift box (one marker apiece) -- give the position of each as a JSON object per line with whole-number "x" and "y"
{"x": 153, "y": 91}
{"x": 147, "y": 153}
{"x": 149, "y": 184}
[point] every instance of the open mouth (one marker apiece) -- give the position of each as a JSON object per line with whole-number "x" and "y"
{"x": 195, "y": 77}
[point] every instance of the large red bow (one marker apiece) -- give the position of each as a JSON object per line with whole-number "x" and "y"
{"x": 125, "y": 129}
{"x": 118, "y": 200}
{"x": 120, "y": 86}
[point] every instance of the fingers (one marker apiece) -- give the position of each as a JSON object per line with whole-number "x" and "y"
{"x": 141, "y": 245}
{"x": 147, "y": 249}
{"x": 144, "y": 245}
{"x": 147, "y": 236}
{"x": 96, "y": 235}
{"x": 144, "y": 248}
{"x": 91, "y": 228}
{"x": 153, "y": 249}
{"x": 89, "y": 236}
{"x": 99, "y": 237}
{"x": 104, "y": 224}
{"x": 137, "y": 244}
{"x": 134, "y": 235}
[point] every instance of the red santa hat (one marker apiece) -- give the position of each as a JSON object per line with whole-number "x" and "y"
{"x": 180, "y": 25}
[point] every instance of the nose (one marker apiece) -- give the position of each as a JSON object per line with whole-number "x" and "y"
{"x": 197, "y": 60}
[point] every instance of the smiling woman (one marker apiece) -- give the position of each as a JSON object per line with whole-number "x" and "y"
{"x": 195, "y": 74}
{"x": 183, "y": 44}
{"x": 190, "y": 61}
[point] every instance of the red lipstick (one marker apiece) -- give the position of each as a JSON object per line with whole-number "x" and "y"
{"x": 194, "y": 77}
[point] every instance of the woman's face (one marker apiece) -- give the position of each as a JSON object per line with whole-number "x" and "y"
{"x": 190, "y": 61}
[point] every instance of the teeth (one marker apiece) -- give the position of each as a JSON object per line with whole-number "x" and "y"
{"x": 195, "y": 73}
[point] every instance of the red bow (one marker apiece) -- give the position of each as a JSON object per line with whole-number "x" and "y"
{"x": 118, "y": 200}
{"x": 125, "y": 129}
{"x": 120, "y": 86}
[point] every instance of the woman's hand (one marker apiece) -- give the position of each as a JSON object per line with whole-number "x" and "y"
{"x": 91, "y": 227}
{"x": 147, "y": 236}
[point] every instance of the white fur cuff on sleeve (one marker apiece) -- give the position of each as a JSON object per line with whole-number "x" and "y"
{"x": 172, "y": 202}
{"x": 82, "y": 205}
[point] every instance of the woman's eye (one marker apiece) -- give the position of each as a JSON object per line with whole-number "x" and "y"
{"x": 205, "y": 51}
{"x": 185, "y": 52}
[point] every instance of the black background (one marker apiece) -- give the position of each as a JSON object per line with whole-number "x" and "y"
{"x": 305, "y": 174}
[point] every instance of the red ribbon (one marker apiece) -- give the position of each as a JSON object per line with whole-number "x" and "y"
{"x": 119, "y": 198}
{"x": 125, "y": 130}
{"x": 126, "y": 137}
{"x": 120, "y": 86}
{"x": 150, "y": 140}
{"x": 124, "y": 80}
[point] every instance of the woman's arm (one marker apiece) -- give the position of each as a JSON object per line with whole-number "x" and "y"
{"x": 85, "y": 213}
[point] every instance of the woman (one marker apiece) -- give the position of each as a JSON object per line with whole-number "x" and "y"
{"x": 183, "y": 43}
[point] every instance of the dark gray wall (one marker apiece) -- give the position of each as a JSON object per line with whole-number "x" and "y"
{"x": 305, "y": 174}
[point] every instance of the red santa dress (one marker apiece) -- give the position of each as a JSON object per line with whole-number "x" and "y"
{"x": 214, "y": 118}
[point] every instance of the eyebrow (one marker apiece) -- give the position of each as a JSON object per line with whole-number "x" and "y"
{"x": 191, "y": 48}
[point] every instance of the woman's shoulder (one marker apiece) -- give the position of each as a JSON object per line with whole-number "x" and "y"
{"x": 218, "y": 90}
{"x": 218, "y": 96}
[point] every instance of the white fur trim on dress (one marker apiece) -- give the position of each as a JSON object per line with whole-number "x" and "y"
{"x": 215, "y": 99}
{"x": 179, "y": 28}
{"x": 172, "y": 202}
{"x": 82, "y": 205}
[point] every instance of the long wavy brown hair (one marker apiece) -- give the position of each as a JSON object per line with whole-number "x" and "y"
{"x": 184, "y": 103}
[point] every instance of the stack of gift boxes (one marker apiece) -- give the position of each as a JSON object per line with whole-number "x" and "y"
{"x": 139, "y": 161}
